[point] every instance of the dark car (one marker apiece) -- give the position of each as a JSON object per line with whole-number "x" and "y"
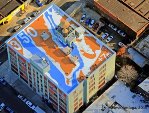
{"x": 95, "y": 26}
{"x": 87, "y": 22}
{"x": 39, "y": 3}
{"x": 83, "y": 18}
{"x": 9, "y": 110}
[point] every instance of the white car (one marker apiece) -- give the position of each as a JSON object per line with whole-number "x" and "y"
{"x": 123, "y": 34}
{"x": 16, "y": 28}
{"x": 2, "y": 106}
{"x": 35, "y": 13}
{"x": 104, "y": 36}
{"x": 113, "y": 27}
{"x": 83, "y": 18}
{"x": 121, "y": 44}
{"x": 26, "y": 20}
{"x": 30, "y": 105}
{"x": 91, "y": 23}
{"x": 109, "y": 39}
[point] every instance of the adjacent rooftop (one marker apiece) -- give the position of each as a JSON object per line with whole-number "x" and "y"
{"x": 143, "y": 47}
{"x": 130, "y": 17}
{"x": 119, "y": 99}
{"x": 8, "y": 6}
{"x": 140, "y": 6}
{"x": 145, "y": 85}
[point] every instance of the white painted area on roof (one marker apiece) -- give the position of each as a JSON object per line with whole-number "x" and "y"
{"x": 128, "y": 102}
{"x": 145, "y": 85}
{"x": 49, "y": 76}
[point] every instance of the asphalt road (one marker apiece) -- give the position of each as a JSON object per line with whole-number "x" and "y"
{"x": 9, "y": 97}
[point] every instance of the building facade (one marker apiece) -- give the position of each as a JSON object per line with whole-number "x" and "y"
{"x": 69, "y": 80}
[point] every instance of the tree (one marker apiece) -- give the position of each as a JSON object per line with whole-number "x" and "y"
{"x": 127, "y": 73}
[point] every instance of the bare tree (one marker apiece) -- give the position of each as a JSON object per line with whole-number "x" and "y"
{"x": 127, "y": 74}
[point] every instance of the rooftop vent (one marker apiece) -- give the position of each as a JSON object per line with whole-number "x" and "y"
{"x": 65, "y": 32}
{"x": 74, "y": 59}
{"x": 67, "y": 50}
{"x": 43, "y": 60}
{"x": 44, "y": 35}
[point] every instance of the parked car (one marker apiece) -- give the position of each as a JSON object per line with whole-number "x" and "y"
{"x": 2, "y": 105}
{"x": 99, "y": 32}
{"x": 123, "y": 34}
{"x": 39, "y": 3}
{"x": 30, "y": 105}
{"x": 27, "y": 102}
{"x": 26, "y": 20}
{"x": 95, "y": 26}
{"x": 104, "y": 36}
{"x": 121, "y": 44}
{"x": 83, "y": 18}
{"x": 16, "y": 28}
{"x": 87, "y": 22}
{"x": 109, "y": 39}
{"x": 91, "y": 23}
{"x": 8, "y": 109}
{"x": 113, "y": 27}
{"x": 35, "y": 13}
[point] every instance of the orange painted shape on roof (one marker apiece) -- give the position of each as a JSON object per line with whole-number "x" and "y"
{"x": 51, "y": 47}
{"x": 93, "y": 45}
{"x": 81, "y": 74}
{"x": 87, "y": 55}
{"x": 67, "y": 81}
{"x": 15, "y": 46}
{"x": 102, "y": 57}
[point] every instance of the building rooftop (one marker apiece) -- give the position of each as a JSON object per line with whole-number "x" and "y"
{"x": 67, "y": 61}
{"x": 145, "y": 85}
{"x": 3, "y": 3}
{"x": 143, "y": 47}
{"x": 140, "y": 6}
{"x": 118, "y": 99}
{"x": 124, "y": 14}
{"x": 9, "y": 7}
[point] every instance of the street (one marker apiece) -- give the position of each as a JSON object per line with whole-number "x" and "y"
{"x": 9, "y": 96}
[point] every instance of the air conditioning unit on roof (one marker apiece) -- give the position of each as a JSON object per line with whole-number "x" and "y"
{"x": 45, "y": 35}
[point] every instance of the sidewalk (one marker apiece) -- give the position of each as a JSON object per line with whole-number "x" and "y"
{"x": 22, "y": 87}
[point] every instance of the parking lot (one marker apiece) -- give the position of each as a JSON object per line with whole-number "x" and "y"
{"x": 100, "y": 27}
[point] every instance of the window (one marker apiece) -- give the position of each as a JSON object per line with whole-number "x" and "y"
{"x": 40, "y": 76}
{"x": 30, "y": 85}
{"x": 76, "y": 99}
{"x": 75, "y": 109}
{"x": 41, "y": 89}
{"x": 75, "y": 104}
